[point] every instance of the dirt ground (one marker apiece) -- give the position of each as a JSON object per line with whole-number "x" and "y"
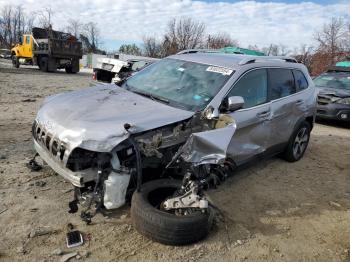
{"x": 273, "y": 210}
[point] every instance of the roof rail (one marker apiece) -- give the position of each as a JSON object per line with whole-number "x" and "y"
{"x": 192, "y": 51}
{"x": 254, "y": 59}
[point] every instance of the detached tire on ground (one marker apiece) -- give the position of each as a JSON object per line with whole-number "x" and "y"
{"x": 162, "y": 226}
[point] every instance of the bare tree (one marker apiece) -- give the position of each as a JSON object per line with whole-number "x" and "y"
{"x": 304, "y": 55}
{"x": 13, "y": 24}
{"x": 6, "y": 25}
{"x": 74, "y": 27}
{"x": 220, "y": 40}
{"x": 151, "y": 46}
{"x": 184, "y": 33}
{"x": 45, "y": 17}
{"x": 332, "y": 38}
{"x": 254, "y": 47}
{"x": 91, "y": 36}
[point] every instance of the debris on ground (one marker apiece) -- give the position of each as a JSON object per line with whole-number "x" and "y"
{"x": 33, "y": 165}
{"x": 20, "y": 250}
{"x": 74, "y": 239}
{"x": 40, "y": 183}
{"x": 57, "y": 252}
{"x": 2, "y": 211}
{"x": 68, "y": 256}
{"x": 28, "y": 100}
{"x": 40, "y": 231}
{"x": 334, "y": 204}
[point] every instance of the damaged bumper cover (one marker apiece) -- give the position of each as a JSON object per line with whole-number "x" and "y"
{"x": 76, "y": 178}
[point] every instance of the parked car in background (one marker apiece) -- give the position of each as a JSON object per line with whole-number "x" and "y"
{"x": 190, "y": 119}
{"x": 5, "y": 53}
{"x": 112, "y": 70}
{"x": 333, "y": 101}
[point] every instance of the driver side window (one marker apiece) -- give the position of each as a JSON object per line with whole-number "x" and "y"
{"x": 252, "y": 87}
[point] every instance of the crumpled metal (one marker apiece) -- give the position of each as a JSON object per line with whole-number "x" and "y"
{"x": 208, "y": 147}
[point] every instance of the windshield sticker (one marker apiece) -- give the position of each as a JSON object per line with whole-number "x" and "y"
{"x": 197, "y": 97}
{"x": 181, "y": 69}
{"x": 220, "y": 70}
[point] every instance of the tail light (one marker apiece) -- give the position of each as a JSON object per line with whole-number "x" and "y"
{"x": 94, "y": 76}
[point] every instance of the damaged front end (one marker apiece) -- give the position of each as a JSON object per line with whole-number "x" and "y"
{"x": 109, "y": 140}
{"x": 197, "y": 146}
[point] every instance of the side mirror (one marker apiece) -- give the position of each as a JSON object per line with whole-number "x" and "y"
{"x": 234, "y": 103}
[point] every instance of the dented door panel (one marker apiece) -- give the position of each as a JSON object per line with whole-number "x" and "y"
{"x": 252, "y": 135}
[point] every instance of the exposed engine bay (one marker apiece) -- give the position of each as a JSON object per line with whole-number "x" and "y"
{"x": 163, "y": 152}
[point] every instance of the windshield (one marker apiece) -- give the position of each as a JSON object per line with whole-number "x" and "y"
{"x": 180, "y": 83}
{"x": 333, "y": 80}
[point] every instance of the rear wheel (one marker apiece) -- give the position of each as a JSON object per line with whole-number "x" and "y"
{"x": 298, "y": 143}
{"x": 43, "y": 64}
{"x": 162, "y": 226}
{"x": 68, "y": 69}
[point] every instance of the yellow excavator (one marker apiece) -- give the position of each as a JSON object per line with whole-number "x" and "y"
{"x": 49, "y": 49}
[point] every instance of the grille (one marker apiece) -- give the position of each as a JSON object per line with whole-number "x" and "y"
{"x": 53, "y": 145}
{"x": 321, "y": 112}
{"x": 323, "y": 100}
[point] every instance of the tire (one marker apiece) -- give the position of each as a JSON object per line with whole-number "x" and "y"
{"x": 298, "y": 142}
{"x": 15, "y": 61}
{"x": 43, "y": 64}
{"x": 68, "y": 69}
{"x": 51, "y": 64}
{"x": 164, "y": 227}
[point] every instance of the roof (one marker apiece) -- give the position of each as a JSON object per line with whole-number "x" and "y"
{"x": 226, "y": 60}
{"x": 239, "y": 50}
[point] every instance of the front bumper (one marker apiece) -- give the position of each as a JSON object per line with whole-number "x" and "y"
{"x": 76, "y": 178}
{"x": 334, "y": 111}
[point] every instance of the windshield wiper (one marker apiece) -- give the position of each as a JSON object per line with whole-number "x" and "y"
{"x": 149, "y": 95}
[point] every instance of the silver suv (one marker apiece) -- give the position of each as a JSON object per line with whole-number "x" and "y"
{"x": 195, "y": 114}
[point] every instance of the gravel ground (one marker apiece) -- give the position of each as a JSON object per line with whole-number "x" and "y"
{"x": 272, "y": 210}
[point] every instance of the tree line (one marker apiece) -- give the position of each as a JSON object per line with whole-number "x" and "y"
{"x": 332, "y": 41}
{"x": 181, "y": 34}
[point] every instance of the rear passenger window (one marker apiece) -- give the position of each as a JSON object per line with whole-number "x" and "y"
{"x": 252, "y": 87}
{"x": 300, "y": 80}
{"x": 281, "y": 82}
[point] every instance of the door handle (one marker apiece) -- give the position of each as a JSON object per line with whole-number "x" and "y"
{"x": 299, "y": 102}
{"x": 263, "y": 114}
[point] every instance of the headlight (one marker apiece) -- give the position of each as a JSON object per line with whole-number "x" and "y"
{"x": 344, "y": 101}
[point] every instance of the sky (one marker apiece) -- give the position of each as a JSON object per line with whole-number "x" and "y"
{"x": 260, "y": 22}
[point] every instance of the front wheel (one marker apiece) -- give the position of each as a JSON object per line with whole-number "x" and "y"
{"x": 298, "y": 143}
{"x": 162, "y": 226}
{"x": 15, "y": 61}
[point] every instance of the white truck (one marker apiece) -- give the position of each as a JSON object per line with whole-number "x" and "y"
{"x": 112, "y": 70}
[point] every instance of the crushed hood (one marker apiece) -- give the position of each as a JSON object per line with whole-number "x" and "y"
{"x": 334, "y": 92}
{"x": 94, "y": 118}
